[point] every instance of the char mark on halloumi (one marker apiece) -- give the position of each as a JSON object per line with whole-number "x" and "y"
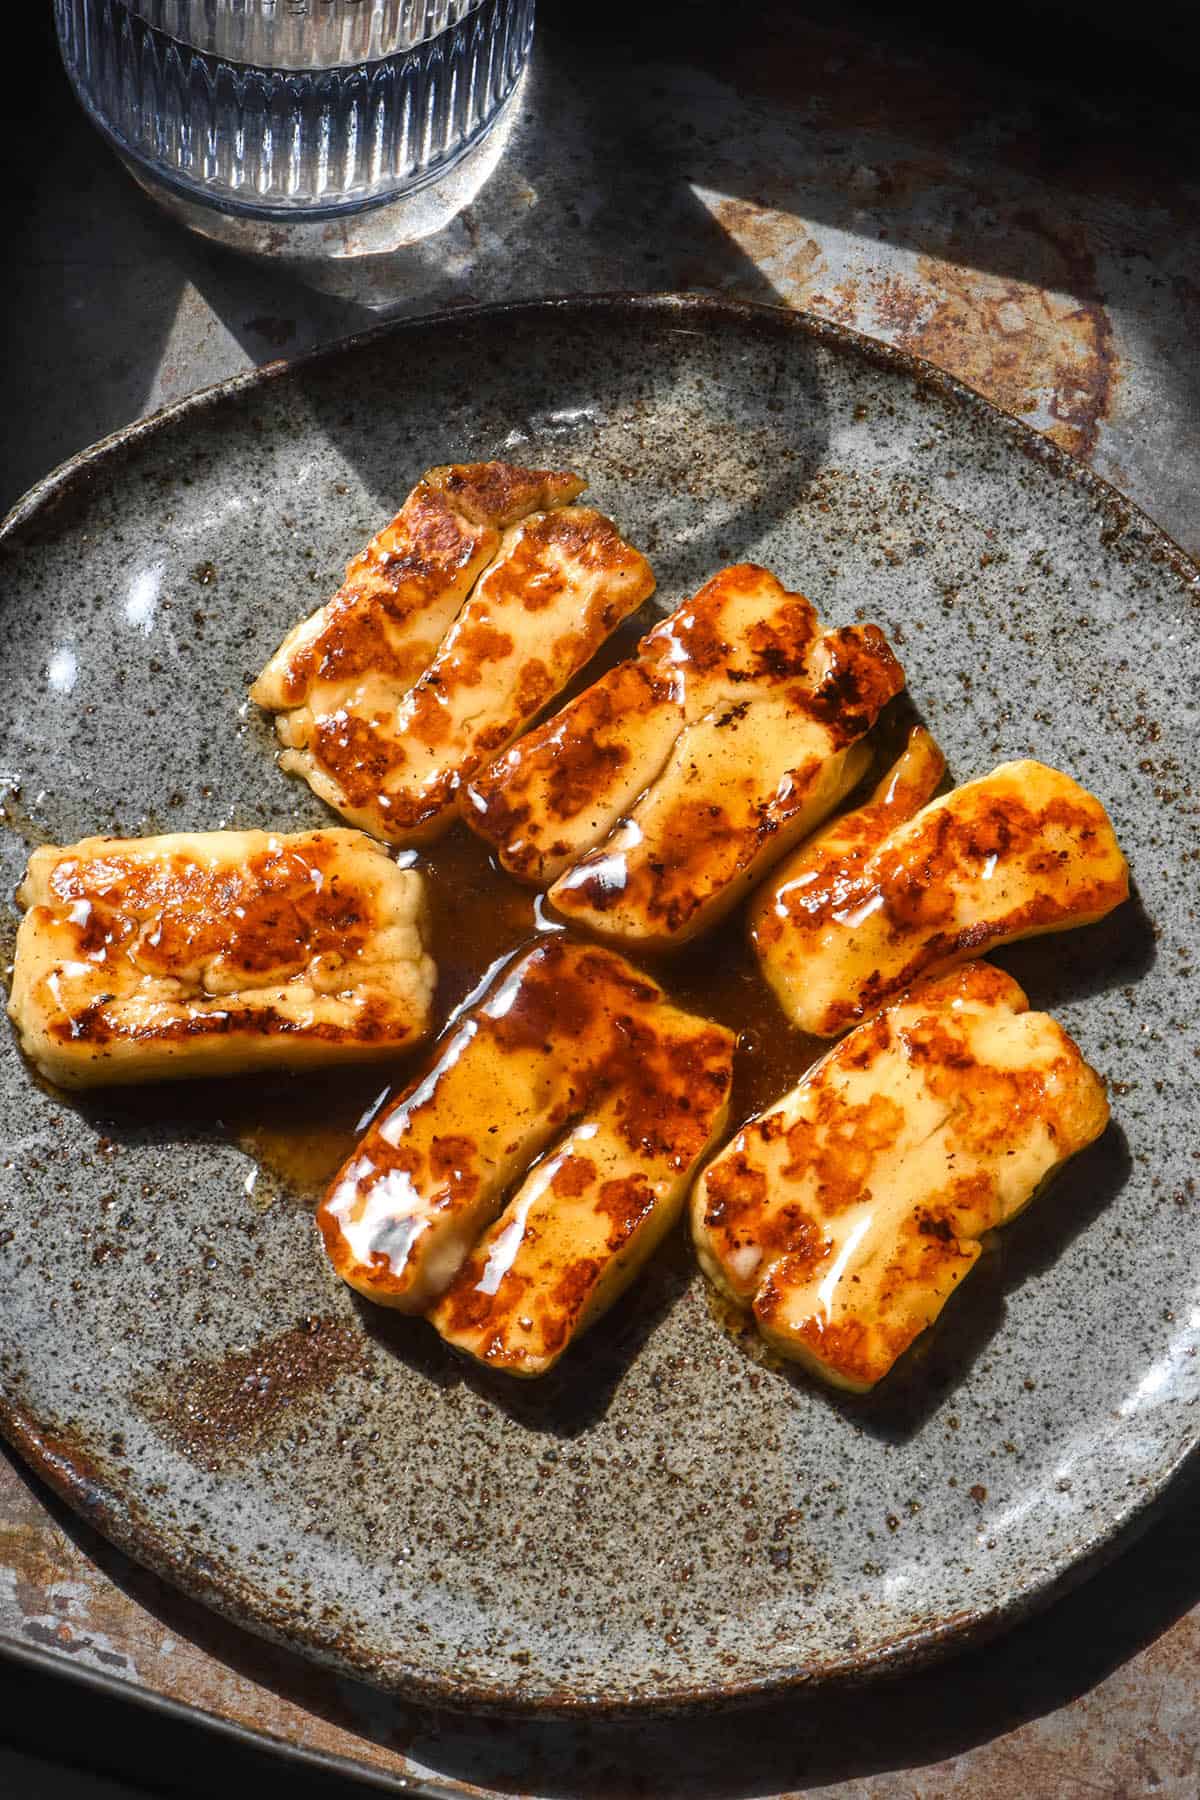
{"x": 453, "y": 629}
{"x": 901, "y": 888}
{"x": 211, "y": 953}
{"x": 560, "y": 585}
{"x": 655, "y": 800}
{"x": 847, "y": 1214}
{"x": 577, "y": 1059}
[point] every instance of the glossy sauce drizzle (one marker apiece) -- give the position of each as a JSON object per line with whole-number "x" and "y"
{"x": 301, "y": 1131}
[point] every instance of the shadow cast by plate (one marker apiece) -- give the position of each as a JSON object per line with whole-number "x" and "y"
{"x": 806, "y": 1740}
{"x": 767, "y": 1746}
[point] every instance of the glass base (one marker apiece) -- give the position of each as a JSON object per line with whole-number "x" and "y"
{"x": 374, "y": 229}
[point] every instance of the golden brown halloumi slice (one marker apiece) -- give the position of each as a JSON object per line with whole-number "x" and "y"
{"x": 563, "y": 786}
{"x": 209, "y": 953}
{"x": 848, "y": 1213}
{"x": 560, "y": 791}
{"x": 741, "y": 786}
{"x": 678, "y": 778}
{"x": 561, "y": 583}
{"x": 336, "y": 680}
{"x": 891, "y": 892}
{"x": 589, "y": 1216}
{"x": 574, "y": 1041}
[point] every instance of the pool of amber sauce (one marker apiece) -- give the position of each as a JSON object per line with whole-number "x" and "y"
{"x": 300, "y": 1130}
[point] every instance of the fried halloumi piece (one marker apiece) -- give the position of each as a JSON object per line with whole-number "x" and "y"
{"x": 338, "y": 677}
{"x": 590, "y": 1216}
{"x": 561, "y": 790}
{"x": 848, "y": 1213}
{"x": 678, "y": 778}
{"x": 210, "y": 953}
{"x": 572, "y": 1040}
{"x": 890, "y": 892}
{"x": 561, "y": 583}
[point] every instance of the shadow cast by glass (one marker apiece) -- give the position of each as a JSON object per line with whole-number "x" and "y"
{"x": 695, "y": 473}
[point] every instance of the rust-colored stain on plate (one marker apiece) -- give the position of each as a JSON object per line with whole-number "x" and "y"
{"x": 216, "y": 1411}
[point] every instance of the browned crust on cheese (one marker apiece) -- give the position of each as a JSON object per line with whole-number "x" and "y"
{"x": 838, "y": 852}
{"x": 446, "y": 532}
{"x": 841, "y": 1155}
{"x": 704, "y": 846}
{"x": 388, "y": 582}
{"x": 575, "y": 756}
{"x": 264, "y": 914}
{"x": 697, "y": 637}
{"x": 500, "y": 493}
{"x": 529, "y": 575}
{"x": 741, "y": 640}
{"x": 608, "y": 1037}
{"x": 266, "y": 920}
{"x": 912, "y": 883}
{"x": 98, "y": 1024}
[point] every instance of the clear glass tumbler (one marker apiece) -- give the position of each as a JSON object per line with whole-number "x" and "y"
{"x": 261, "y": 122}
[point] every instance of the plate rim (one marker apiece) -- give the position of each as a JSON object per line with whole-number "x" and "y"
{"x": 65, "y": 1470}
{"x": 842, "y": 338}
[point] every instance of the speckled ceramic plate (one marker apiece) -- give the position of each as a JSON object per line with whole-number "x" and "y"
{"x": 670, "y": 1520}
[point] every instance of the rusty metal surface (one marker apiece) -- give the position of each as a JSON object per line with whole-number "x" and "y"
{"x": 1033, "y": 244}
{"x": 1097, "y": 1697}
{"x": 1038, "y": 245}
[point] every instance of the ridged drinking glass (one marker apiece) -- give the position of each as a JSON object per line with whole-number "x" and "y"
{"x": 286, "y": 110}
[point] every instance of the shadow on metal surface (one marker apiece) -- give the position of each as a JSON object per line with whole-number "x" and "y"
{"x": 772, "y": 1747}
{"x": 67, "y": 375}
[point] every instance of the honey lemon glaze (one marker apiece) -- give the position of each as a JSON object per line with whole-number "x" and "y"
{"x": 898, "y": 888}
{"x": 479, "y": 920}
{"x": 848, "y": 1212}
{"x": 575, "y": 1052}
{"x": 453, "y": 629}
{"x": 215, "y": 953}
{"x": 657, "y": 798}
